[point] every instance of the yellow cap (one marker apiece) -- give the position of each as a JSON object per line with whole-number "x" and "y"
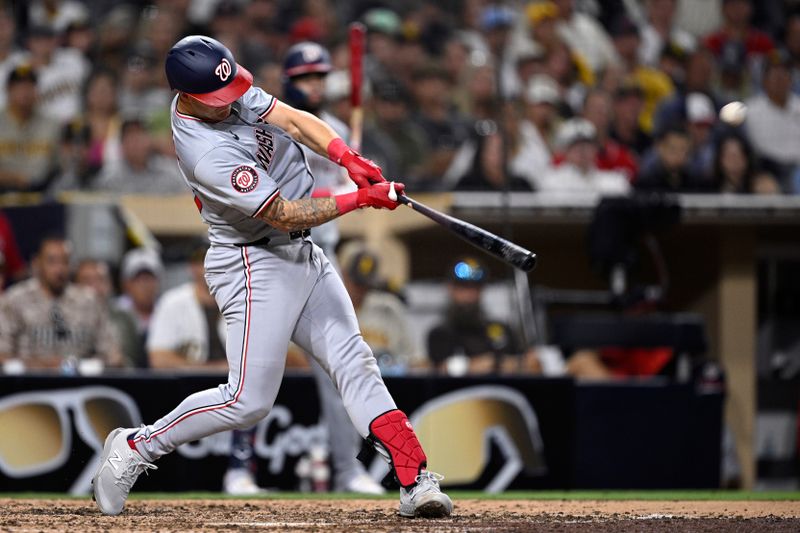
{"x": 539, "y": 11}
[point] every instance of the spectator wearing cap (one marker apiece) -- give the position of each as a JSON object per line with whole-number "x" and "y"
{"x": 141, "y": 274}
{"x": 47, "y": 320}
{"x": 533, "y": 157}
{"x": 496, "y": 23}
{"x": 666, "y": 167}
{"x": 444, "y": 130}
{"x": 382, "y": 316}
{"x": 773, "y": 117}
{"x": 578, "y": 172}
{"x": 543, "y": 22}
{"x": 701, "y": 70}
{"x": 560, "y": 60}
{"x": 699, "y": 18}
{"x": 388, "y": 119}
{"x": 467, "y": 341}
{"x": 335, "y": 95}
{"x": 736, "y": 27}
{"x": 701, "y": 117}
{"x": 529, "y": 61}
{"x": 586, "y": 36}
{"x": 660, "y": 32}
{"x": 28, "y": 138}
{"x": 655, "y": 85}
{"x": 61, "y": 73}
{"x": 140, "y": 170}
{"x": 76, "y": 171}
{"x": 672, "y": 62}
{"x": 412, "y": 51}
{"x": 80, "y": 35}
{"x": 95, "y": 275}
{"x": 58, "y": 14}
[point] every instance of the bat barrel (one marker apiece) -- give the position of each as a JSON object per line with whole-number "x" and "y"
{"x": 503, "y": 249}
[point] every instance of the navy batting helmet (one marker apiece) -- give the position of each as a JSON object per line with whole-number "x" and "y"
{"x": 302, "y": 59}
{"x": 204, "y": 69}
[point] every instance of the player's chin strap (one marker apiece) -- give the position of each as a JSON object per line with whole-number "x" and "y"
{"x": 393, "y": 437}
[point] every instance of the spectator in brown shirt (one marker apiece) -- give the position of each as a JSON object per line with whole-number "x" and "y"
{"x": 47, "y": 320}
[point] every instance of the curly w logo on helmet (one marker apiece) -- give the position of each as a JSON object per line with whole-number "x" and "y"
{"x": 223, "y": 70}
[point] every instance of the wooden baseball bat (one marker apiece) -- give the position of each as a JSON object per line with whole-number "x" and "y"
{"x": 487, "y": 241}
{"x": 357, "y": 36}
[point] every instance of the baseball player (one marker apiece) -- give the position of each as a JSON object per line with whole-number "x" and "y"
{"x": 305, "y": 68}
{"x": 238, "y": 150}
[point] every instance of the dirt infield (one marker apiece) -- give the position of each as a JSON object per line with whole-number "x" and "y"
{"x": 354, "y": 516}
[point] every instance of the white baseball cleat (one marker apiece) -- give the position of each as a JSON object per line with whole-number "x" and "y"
{"x": 425, "y": 499}
{"x": 363, "y": 484}
{"x": 120, "y": 466}
{"x": 240, "y": 482}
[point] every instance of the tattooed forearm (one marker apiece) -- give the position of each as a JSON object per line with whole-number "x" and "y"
{"x": 294, "y": 215}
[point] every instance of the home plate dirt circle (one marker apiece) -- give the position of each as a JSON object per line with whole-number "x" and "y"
{"x": 354, "y": 516}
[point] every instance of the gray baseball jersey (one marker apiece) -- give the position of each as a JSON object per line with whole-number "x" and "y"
{"x": 236, "y": 169}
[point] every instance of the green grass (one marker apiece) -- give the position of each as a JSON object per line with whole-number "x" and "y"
{"x": 659, "y": 495}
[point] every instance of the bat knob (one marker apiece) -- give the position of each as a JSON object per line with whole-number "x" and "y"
{"x": 392, "y": 193}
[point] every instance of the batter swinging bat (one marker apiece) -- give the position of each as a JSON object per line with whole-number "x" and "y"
{"x": 357, "y": 35}
{"x": 499, "y": 247}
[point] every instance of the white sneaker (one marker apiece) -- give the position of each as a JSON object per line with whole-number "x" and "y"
{"x": 425, "y": 499}
{"x": 120, "y": 466}
{"x": 240, "y": 482}
{"x": 363, "y": 484}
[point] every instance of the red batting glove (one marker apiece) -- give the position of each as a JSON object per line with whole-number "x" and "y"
{"x": 361, "y": 170}
{"x": 376, "y": 195}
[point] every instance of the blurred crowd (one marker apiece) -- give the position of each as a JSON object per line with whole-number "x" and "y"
{"x": 569, "y": 95}
{"x": 74, "y": 316}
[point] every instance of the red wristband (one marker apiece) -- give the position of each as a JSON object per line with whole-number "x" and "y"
{"x": 336, "y": 149}
{"x": 346, "y": 202}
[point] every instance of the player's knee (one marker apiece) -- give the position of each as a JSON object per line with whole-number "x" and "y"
{"x": 250, "y": 412}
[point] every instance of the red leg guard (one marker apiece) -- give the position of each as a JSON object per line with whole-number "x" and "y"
{"x": 393, "y": 432}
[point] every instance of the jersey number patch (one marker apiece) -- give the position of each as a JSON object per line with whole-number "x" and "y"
{"x": 244, "y": 179}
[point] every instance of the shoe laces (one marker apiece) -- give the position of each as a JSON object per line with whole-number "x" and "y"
{"x": 132, "y": 471}
{"x": 431, "y": 477}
